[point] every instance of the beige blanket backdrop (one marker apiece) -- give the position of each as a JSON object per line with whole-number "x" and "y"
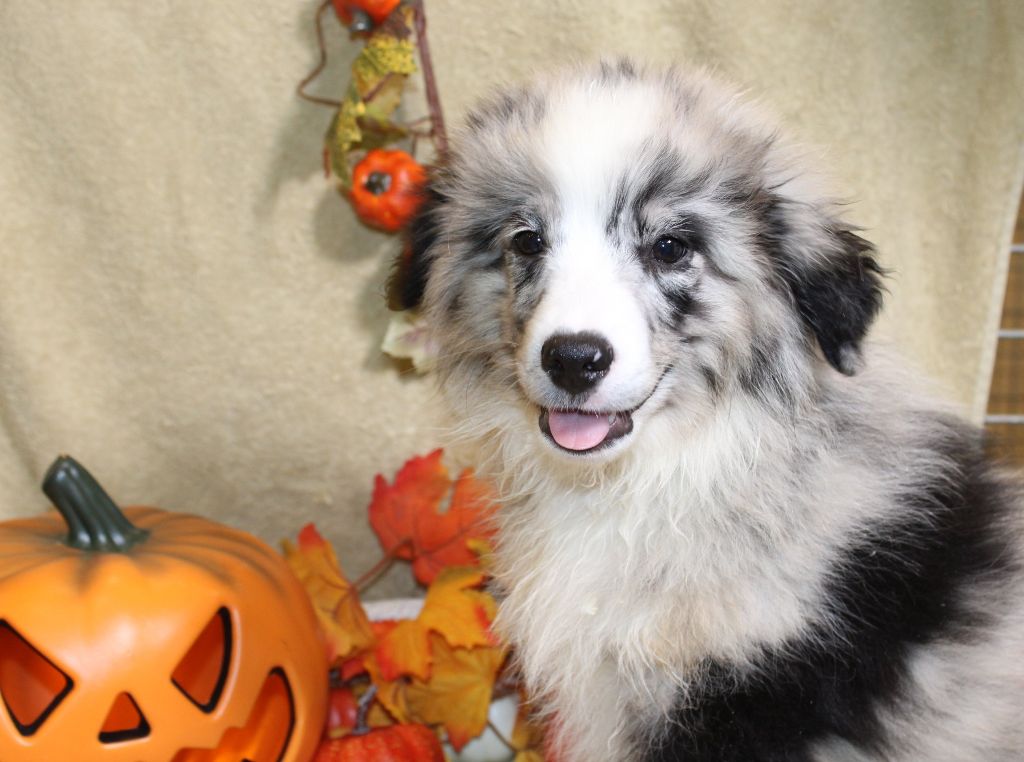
{"x": 187, "y": 306}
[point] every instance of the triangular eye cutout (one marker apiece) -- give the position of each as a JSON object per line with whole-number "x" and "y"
{"x": 30, "y": 684}
{"x": 124, "y": 722}
{"x": 203, "y": 671}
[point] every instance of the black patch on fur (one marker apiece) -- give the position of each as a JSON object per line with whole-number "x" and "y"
{"x": 408, "y": 278}
{"x": 762, "y": 378}
{"x": 524, "y": 271}
{"x": 682, "y": 304}
{"x": 618, "y": 70}
{"x": 837, "y": 296}
{"x": 512, "y": 105}
{"x": 482, "y": 238}
{"x": 906, "y": 585}
{"x": 713, "y": 380}
{"x": 660, "y": 180}
{"x": 618, "y": 205}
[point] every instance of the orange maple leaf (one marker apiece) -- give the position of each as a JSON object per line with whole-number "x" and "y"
{"x": 458, "y": 694}
{"x": 413, "y": 523}
{"x": 404, "y": 650}
{"x": 454, "y": 609}
{"x": 335, "y": 600}
{"x": 457, "y": 611}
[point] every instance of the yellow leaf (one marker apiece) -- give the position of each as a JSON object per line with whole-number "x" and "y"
{"x": 335, "y": 601}
{"x": 458, "y": 694}
{"x": 483, "y": 551}
{"x": 345, "y": 133}
{"x": 390, "y": 693}
{"x": 461, "y": 614}
{"x": 530, "y": 755}
{"x": 527, "y": 736}
{"x": 404, "y": 650}
{"x": 382, "y": 101}
{"x": 382, "y": 55}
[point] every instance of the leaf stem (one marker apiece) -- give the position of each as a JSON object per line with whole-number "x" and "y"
{"x": 501, "y": 737}
{"x": 366, "y": 579}
{"x": 301, "y": 89}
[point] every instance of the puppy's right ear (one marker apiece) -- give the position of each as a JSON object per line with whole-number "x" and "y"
{"x": 408, "y": 280}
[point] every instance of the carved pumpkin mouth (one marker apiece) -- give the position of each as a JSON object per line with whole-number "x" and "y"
{"x": 266, "y": 733}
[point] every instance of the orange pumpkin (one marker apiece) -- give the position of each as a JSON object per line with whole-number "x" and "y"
{"x": 387, "y": 188}
{"x": 362, "y": 15}
{"x": 149, "y": 635}
{"x": 397, "y": 743}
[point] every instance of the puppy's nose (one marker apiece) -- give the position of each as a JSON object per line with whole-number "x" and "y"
{"x": 575, "y": 362}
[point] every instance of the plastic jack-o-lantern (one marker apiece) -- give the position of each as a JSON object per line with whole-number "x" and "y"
{"x": 149, "y": 636}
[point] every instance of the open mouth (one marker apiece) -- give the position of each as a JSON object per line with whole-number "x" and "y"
{"x": 586, "y": 431}
{"x": 580, "y": 431}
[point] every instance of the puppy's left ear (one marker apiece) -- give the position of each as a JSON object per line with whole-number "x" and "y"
{"x": 835, "y": 281}
{"x": 408, "y": 280}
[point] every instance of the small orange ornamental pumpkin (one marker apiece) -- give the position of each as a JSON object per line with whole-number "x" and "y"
{"x": 387, "y": 188}
{"x": 363, "y": 15}
{"x": 397, "y": 743}
{"x": 149, "y": 636}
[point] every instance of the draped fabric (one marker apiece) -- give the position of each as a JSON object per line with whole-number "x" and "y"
{"x": 193, "y": 312}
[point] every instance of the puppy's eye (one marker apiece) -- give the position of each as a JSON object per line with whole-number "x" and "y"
{"x": 669, "y": 250}
{"x": 528, "y": 242}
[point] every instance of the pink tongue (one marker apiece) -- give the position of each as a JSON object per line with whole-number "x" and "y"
{"x": 578, "y": 431}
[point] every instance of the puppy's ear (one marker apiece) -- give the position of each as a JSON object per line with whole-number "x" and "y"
{"x": 408, "y": 280}
{"x": 833, "y": 276}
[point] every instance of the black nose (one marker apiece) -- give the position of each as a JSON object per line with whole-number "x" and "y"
{"x": 575, "y": 362}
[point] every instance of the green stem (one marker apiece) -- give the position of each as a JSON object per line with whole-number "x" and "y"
{"x": 95, "y": 523}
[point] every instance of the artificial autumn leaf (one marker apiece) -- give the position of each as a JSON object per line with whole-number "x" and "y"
{"x": 527, "y": 736}
{"x": 483, "y": 550}
{"x": 405, "y": 650}
{"x": 334, "y": 599}
{"x": 412, "y": 523}
{"x": 363, "y": 120}
{"x": 458, "y": 694}
{"x": 443, "y": 540}
{"x": 456, "y": 611}
{"x": 390, "y": 695}
{"x": 386, "y": 95}
{"x": 343, "y": 133}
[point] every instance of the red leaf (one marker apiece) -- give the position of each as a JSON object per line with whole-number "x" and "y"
{"x": 413, "y": 523}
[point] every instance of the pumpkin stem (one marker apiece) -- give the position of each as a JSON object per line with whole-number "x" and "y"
{"x": 94, "y": 521}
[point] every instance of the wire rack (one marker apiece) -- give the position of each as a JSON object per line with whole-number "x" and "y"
{"x": 1005, "y": 418}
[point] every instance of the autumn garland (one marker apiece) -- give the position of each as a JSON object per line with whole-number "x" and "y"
{"x": 383, "y": 183}
{"x": 441, "y": 668}
{"x": 365, "y": 146}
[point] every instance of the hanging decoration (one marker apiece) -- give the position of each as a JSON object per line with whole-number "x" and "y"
{"x": 371, "y": 153}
